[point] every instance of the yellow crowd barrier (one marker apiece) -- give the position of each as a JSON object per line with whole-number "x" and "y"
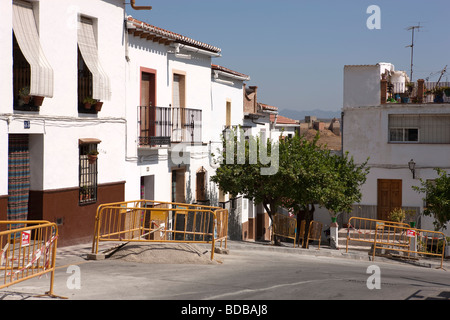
{"x": 314, "y": 233}
{"x": 156, "y": 221}
{"x": 363, "y": 229}
{"x": 27, "y": 250}
{"x": 409, "y": 241}
{"x": 284, "y": 226}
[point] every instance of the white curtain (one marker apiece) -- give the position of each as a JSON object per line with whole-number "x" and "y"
{"x": 25, "y": 30}
{"x": 89, "y": 51}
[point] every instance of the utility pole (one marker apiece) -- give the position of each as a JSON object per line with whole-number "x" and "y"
{"x": 412, "y": 28}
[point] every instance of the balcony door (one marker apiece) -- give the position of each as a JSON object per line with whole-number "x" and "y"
{"x": 389, "y": 197}
{"x": 148, "y": 104}
{"x": 178, "y": 107}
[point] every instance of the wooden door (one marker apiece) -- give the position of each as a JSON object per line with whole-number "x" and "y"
{"x": 148, "y": 104}
{"x": 389, "y": 197}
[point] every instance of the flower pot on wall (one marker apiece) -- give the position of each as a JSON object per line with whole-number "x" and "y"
{"x": 92, "y": 158}
{"x": 98, "y": 106}
{"x": 37, "y": 100}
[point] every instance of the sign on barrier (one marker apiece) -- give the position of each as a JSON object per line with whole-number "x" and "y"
{"x": 26, "y": 236}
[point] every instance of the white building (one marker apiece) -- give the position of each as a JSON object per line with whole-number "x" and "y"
{"x": 178, "y": 104}
{"x": 164, "y": 106}
{"x": 63, "y": 51}
{"x": 379, "y": 124}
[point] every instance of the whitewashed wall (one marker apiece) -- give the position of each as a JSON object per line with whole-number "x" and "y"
{"x": 366, "y": 136}
{"x": 55, "y": 157}
{"x": 361, "y": 86}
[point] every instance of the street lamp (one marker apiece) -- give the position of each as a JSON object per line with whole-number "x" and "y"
{"x": 412, "y": 167}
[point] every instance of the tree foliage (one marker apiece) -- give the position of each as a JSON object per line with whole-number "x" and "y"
{"x": 306, "y": 175}
{"x": 437, "y": 198}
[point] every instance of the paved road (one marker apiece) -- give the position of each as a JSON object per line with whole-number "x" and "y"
{"x": 243, "y": 275}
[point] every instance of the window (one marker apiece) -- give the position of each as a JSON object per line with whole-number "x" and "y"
{"x": 32, "y": 73}
{"x": 93, "y": 83}
{"x": 419, "y": 128}
{"x": 178, "y": 107}
{"x": 404, "y": 135}
{"x": 88, "y": 170}
{"x": 201, "y": 185}
{"x": 228, "y": 115}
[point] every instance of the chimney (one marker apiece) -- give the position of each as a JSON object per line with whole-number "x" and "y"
{"x": 420, "y": 90}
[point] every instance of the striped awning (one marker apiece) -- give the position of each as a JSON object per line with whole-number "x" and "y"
{"x": 25, "y": 30}
{"x": 88, "y": 48}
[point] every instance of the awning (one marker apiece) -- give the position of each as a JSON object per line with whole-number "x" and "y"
{"x": 89, "y": 51}
{"x": 25, "y": 30}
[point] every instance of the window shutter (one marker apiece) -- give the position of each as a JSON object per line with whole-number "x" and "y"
{"x": 25, "y": 30}
{"x": 89, "y": 51}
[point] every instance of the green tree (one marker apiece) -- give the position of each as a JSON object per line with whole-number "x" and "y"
{"x": 305, "y": 175}
{"x": 437, "y": 198}
{"x": 250, "y": 168}
{"x": 321, "y": 178}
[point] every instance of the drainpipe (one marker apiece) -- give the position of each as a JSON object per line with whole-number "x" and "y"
{"x": 133, "y": 5}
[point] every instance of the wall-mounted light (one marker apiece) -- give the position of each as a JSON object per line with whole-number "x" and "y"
{"x": 412, "y": 167}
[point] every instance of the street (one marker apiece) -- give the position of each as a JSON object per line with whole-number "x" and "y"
{"x": 241, "y": 276}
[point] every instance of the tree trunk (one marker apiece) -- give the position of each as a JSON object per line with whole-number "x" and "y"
{"x": 307, "y": 215}
{"x": 271, "y": 210}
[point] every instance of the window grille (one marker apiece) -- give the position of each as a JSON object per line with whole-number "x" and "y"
{"x": 88, "y": 172}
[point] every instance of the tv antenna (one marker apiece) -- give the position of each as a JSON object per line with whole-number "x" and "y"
{"x": 413, "y": 29}
{"x": 442, "y": 73}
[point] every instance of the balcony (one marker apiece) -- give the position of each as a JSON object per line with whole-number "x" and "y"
{"x": 162, "y": 126}
{"x": 415, "y": 92}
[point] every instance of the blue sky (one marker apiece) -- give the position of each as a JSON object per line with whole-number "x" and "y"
{"x": 295, "y": 51}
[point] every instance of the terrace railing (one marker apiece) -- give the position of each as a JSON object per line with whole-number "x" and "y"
{"x": 161, "y": 126}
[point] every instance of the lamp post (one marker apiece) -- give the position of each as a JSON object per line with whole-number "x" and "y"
{"x": 412, "y": 167}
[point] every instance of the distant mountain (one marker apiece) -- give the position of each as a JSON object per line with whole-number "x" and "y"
{"x": 300, "y": 114}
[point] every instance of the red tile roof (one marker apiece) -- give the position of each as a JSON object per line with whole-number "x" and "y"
{"x": 282, "y": 120}
{"x": 223, "y": 69}
{"x": 267, "y": 107}
{"x": 169, "y": 35}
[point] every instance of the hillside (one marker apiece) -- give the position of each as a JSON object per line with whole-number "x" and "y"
{"x": 300, "y": 114}
{"x": 328, "y": 138}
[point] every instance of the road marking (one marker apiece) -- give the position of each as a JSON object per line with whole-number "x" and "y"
{"x": 221, "y": 296}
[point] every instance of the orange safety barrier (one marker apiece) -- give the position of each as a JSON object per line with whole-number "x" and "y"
{"x": 409, "y": 242}
{"x": 27, "y": 250}
{"x": 156, "y": 221}
{"x": 314, "y": 233}
{"x": 284, "y": 226}
{"x": 363, "y": 229}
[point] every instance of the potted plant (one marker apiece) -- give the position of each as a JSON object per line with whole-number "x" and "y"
{"x": 84, "y": 193}
{"x": 438, "y": 92}
{"x": 98, "y": 105}
{"x": 428, "y": 95}
{"x": 38, "y": 100}
{"x": 446, "y": 91}
{"x": 92, "y": 156}
{"x": 24, "y": 95}
{"x": 89, "y": 102}
{"x": 397, "y": 215}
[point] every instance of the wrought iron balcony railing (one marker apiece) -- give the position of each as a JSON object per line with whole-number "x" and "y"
{"x": 161, "y": 126}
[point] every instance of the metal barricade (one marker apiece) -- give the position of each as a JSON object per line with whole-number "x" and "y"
{"x": 314, "y": 232}
{"x": 363, "y": 229}
{"x": 27, "y": 250}
{"x": 409, "y": 241}
{"x": 284, "y": 226}
{"x": 156, "y": 221}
